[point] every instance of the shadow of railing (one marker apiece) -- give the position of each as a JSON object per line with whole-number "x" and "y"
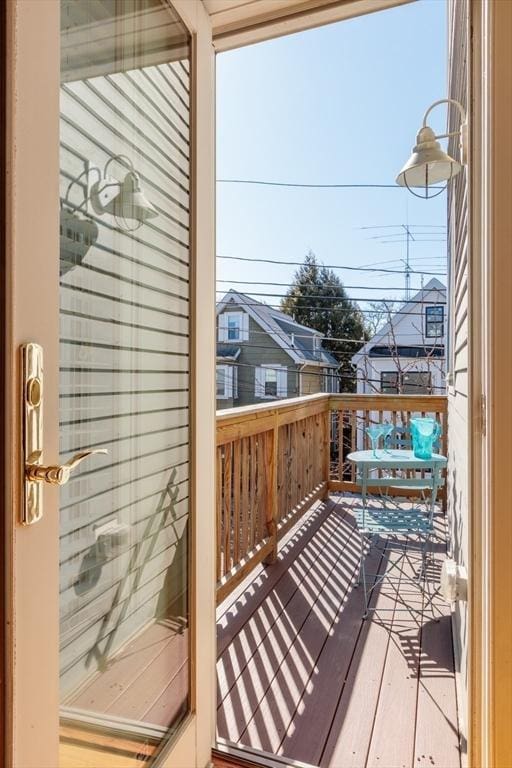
{"x": 291, "y": 645}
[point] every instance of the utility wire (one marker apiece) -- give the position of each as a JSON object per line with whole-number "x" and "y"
{"x": 276, "y": 308}
{"x": 341, "y": 299}
{"x": 263, "y": 183}
{"x": 286, "y": 337}
{"x": 328, "y": 285}
{"x": 327, "y": 266}
{"x": 325, "y": 375}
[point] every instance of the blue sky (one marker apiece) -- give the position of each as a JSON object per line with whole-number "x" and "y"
{"x": 338, "y": 104}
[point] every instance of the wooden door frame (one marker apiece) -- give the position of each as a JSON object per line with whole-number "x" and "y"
{"x": 491, "y": 417}
{"x": 30, "y": 310}
{"x": 3, "y": 219}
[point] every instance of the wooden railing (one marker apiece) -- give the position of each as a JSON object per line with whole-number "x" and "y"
{"x": 274, "y": 461}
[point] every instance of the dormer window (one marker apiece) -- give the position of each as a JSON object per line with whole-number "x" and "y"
{"x": 434, "y": 321}
{"x": 233, "y": 326}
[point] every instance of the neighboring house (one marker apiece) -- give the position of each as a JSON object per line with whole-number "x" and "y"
{"x": 262, "y": 354}
{"x": 407, "y": 355}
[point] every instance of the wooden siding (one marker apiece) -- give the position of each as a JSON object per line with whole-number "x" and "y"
{"x": 125, "y": 371}
{"x": 459, "y": 415}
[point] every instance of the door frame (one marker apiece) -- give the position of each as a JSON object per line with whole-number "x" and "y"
{"x": 31, "y": 314}
{"x": 491, "y": 422}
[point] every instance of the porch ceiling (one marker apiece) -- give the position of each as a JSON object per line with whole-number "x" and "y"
{"x": 242, "y": 22}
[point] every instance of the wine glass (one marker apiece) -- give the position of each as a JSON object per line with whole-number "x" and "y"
{"x": 387, "y": 431}
{"x": 374, "y": 432}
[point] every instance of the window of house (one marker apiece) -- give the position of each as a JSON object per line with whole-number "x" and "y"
{"x": 417, "y": 383}
{"x": 330, "y": 380}
{"x": 271, "y": 381}
{"x": 389, "y": 382}
{"x": 224, "y": 382}
{"x": 233, "y": 326}
{"x": 410, "y": 383}
{"x": 434, "y": 321}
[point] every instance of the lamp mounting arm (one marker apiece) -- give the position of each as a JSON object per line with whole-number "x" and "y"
{"x": 445, "y": 101}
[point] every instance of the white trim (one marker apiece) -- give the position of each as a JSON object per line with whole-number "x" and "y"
{"x": 242, "y": 326}
{"x": 227, "y": 370}
{"x": 281, "y": 381}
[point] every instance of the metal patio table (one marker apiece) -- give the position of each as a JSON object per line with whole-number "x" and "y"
{"x": 382, "y": 518}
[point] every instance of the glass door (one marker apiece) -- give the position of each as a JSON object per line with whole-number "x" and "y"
{"x": 124, "y": 652}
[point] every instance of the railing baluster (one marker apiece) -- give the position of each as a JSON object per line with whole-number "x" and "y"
{"x": 228, "y": 503}
{"x": 244, "y": 501}
{"x": 218, "y": 505}
{"x": 236, "y": 501}
{"x": 273, "y": 462}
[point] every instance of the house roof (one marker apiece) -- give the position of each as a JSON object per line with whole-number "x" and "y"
{"x": 295, "y": 339}
{"x": 434, "y": 286}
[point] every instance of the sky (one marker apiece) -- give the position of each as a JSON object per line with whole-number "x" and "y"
{"x": 340, "y": 104}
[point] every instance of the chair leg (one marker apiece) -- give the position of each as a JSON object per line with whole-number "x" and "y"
{"x": 361, "y": 556}
{"x": 423, "y": 567}
{"x": 365, "y": 593}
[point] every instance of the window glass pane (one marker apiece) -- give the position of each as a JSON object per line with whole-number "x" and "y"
{"x": 389, "y": 382}
{"x": 233, "y": 327}
{"x": 124, "y": 379}
{"x": 416, "y": 383}
{"x": 434, "y": 321}
{"x": 271, "y": 382}
{"x": 221, "y": 381}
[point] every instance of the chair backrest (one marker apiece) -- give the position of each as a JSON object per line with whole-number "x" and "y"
{"x": 402, "y": 439}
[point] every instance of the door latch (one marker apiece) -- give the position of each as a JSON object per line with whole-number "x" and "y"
{"x": 35, "y": 473}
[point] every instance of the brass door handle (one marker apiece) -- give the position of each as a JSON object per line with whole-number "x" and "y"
{"x": 57, "y": 474}
{"x": 33, "y": 471}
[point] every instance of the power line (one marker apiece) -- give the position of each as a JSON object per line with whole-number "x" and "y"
{"x": 327, "y": 266}
{"x": 264, "y": 183}
{"x": 286, "y": 336}
{"x": 397, "y": 226}
{"x": 325, "y": 375}
{"x": 328, "y": 285}
{"x": 373, "y": 312}
{"x": 341, "y": 299}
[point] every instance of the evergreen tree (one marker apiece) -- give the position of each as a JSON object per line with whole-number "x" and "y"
{"x": 318, "y": 299}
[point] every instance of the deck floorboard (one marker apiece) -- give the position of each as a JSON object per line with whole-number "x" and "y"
{"x": 302, "y": 675}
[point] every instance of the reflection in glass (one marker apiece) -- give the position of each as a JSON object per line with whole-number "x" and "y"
{"x": 124, "y": 380}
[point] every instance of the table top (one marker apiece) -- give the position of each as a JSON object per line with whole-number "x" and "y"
{"x": 395, "y": 459}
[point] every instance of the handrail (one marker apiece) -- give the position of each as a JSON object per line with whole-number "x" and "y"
{"x": 275, "y": 460}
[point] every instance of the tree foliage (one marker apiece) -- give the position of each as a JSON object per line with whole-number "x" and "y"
{"x": 317, "y": 298}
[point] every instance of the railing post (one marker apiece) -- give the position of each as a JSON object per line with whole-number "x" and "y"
{"x": 271, "y": 456}
{"x": 326, "y": 447}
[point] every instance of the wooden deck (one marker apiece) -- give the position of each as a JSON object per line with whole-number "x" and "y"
{"x": 302, "y": 676}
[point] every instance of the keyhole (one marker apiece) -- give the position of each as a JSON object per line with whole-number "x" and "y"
{"x": 34, "y": 391}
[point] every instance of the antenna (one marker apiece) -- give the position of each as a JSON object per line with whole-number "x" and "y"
{"x": 409, "y": 237}
{"x": 437, "y": 233}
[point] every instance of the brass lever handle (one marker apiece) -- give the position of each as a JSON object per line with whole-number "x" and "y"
{"x": 57, "y": 474}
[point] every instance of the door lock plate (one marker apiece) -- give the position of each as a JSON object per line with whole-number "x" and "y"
{"x": 32, "y": 418}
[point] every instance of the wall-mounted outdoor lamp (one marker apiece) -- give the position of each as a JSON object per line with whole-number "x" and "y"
{"x": 123, "y": 199}
{"x": 429, "y": 164}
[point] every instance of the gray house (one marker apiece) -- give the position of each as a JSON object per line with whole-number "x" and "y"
{"x": 262, "y": 355}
